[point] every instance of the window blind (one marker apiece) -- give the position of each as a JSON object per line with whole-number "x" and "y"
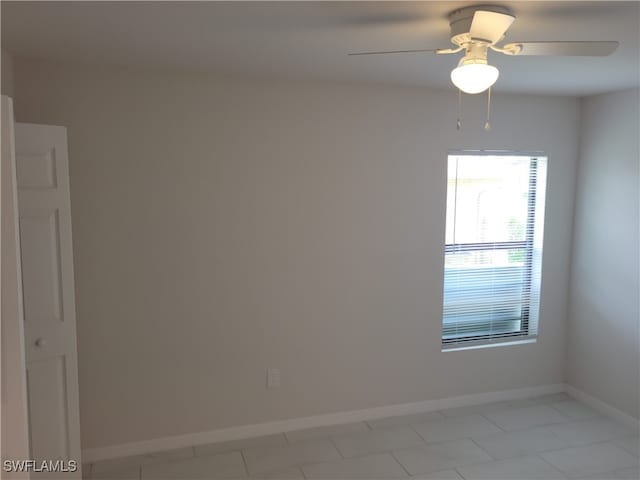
{"x": 493, "y": 250}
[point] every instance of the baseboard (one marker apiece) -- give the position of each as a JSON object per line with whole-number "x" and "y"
{"x": 602, "y": 407}
{"x": 279, "y": 426}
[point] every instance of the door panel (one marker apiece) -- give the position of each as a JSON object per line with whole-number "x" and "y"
{"x": 46, "y": 380}
{"x": 49, "y": 304}
{"x": 41, "y": 266}
{"x": 37, "y": 170}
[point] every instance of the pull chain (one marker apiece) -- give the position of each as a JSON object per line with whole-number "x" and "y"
{"x": 487, "y": 125}
{"x": 459, "y": 122}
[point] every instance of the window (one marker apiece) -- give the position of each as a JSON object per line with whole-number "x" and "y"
{"x": 493, "y": 248}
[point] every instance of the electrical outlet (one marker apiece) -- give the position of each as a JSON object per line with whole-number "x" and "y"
{"x": 273, "y": 377}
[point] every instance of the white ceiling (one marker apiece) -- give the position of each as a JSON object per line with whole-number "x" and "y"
{"x": 311, "y": 39}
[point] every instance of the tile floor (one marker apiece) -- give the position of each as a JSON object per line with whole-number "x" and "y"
{"x": 547, "y": 437}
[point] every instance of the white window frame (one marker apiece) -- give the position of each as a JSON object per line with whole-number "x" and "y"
{"x": 532, "y": 243}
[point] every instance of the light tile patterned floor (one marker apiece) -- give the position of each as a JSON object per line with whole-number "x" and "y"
{"x": 548, "y": 437}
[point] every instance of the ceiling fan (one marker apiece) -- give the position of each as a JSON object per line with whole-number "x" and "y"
{"x": 478, "y": 29}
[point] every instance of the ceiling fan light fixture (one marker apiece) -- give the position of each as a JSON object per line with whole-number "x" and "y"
{"x": 474, "y": 75}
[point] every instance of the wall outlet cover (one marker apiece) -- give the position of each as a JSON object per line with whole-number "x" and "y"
{"x": 273, "y": 377}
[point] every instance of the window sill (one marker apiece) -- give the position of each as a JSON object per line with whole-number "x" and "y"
{"x": 455, "y": 348}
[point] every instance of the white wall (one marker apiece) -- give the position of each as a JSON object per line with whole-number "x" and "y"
{"x": 222, "y": 226}
{"x": 604, "y": 343}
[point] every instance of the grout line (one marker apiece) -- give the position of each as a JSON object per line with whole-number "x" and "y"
{"x": 367, "y": 454}
{"x": 570, "y": 419}
{"x": 244, "y": 462}
{"x": 550, "y": 430}
{"x": 140, "y": 472}
{"x": 374, "y": 452}
{"x": 399, "y": 463}
{"x": 582, "y": 445}
{"x": 550, "y": 464}
{"x": 333, "y": 443}
{"x": 484, "y": 415}
{"x": 480, "y": 447}
{"x": 418, "y": 433}
{"x": 299, "y": 467}
{"x": 458, "y": 472}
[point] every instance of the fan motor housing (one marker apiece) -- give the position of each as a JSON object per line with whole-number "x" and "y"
{"x": 460, "y": 21}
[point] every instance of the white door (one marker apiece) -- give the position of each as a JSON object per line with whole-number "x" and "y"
{"x": 48, "y": 290}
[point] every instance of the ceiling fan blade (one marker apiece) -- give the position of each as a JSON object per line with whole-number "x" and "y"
{"x": 570, "y": 49}
{"x": 490, "y": 26}
{"x": 427, "y": 50}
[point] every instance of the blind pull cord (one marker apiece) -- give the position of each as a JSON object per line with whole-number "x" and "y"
{"x": 459, "y": 122}
{"x": 487, "y": 125}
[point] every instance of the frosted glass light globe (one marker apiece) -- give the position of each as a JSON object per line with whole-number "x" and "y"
{"x": 474, "y": 77}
